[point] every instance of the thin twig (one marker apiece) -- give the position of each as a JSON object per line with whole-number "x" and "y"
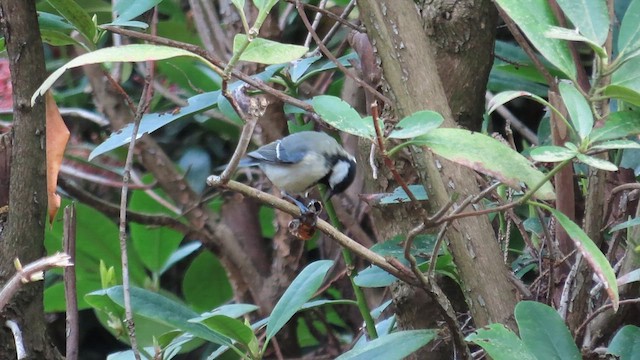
{"x": 432, "y": 289}
{"x": 70, "y": 293}
{"x": 219, "y": 65}
{"x": 345, "y": 14}
{"x": 330, "y": 15}
{"x": 316, "y": 22}
{"x": 600, "y": 310}
{"x": 129, "y": 322}
{"x": 333, "y": 59}
{"x": 110, "y": 209}
{"x": 516, "y": 123}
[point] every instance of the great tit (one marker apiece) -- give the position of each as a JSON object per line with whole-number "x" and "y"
{"x": 301, "y": 160}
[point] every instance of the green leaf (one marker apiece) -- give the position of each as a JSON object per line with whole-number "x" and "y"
{"x": 56, "y": 38}
{"x": 299, "y": 67}
{"x": 534, "y": 18}
{"x": 96, "y": 240}
{"x": 578, "y": 108}
{"x": 152, "y": 122}
{"x": 374, "y": 277}
{"x": 230, "y": 310}
{"x": 399, "y": 196}
{"x": 626, "y": 344}
{"x": 206, "y": 269}
{"x": 488, "y": 156}
{"x": 597, "y": 163}
{"x": 129, "y": 10}
{"x": 239, "y": 4}
{"x": 625, "y": 82}
{"x": 126, "y": 53}
{"x": 328, "y": 65}
{"x": 268, "y": 52}
{"x": 629, "y": 35}
{"x": 506, "y": 96}
{"x": 76, "y": 16}
{"x": 590, "y": 17}
{"x": 48, "y": 21}
{"x": 396, "y": 345}
{"x": 500, "y": 343}
{"x": 618, "y": 125}
{"x": 159, "y": 308}
{"x": 551, "y": 153}
{"x": 264, "y": 5}
{"x": 556, "y": 32}
{"x": 337, "y": 113}
{"x": 154, "y": 245}
{"x": 627, "y": 224}
{"x": 181, "y": 253}
{"x": 616, "y": 144}
{"x": 592, "y": 254}
{"x": 229, "y": 327}
{"x": 416, "y": 124}
{"x": 629, "y": 277}
{"x": 544, "y": 332}
{"x": 622, "y": 93}
{"x": 303, "y": 287}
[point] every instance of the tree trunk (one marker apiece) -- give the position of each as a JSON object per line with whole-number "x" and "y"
{"x": 23, "y": 237}
{"x": 407, "y": 55}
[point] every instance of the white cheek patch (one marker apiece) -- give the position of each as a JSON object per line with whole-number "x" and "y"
{"x": 339, "y": 173}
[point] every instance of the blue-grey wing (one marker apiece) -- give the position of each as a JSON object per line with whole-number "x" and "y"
{"x": 277, "y": 152}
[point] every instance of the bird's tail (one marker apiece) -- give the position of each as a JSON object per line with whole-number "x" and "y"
{"x": 245, "y": 162}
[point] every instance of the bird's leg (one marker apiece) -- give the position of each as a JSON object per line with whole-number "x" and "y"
{"x": 303, "y": 208}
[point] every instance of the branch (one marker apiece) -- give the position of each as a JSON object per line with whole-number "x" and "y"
{"x": 395, "y": 269}
{"x": 31, "y": 272}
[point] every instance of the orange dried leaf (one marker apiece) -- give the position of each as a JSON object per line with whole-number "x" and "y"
{"x": 57, "y": 138}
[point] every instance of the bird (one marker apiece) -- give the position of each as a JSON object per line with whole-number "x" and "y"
{"x": 298, "y": 162}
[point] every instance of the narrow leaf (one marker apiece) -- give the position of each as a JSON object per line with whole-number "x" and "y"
{"x": 416, "y": 124}
{"x": 268, "y": 52}
{"x": 590, "y": 17}
{"x": 630, "y": 277}
{"x": 578, "y": 108}
{"x": 534, "y": 17}
{"x": 229, "y": 327}
{"x": 77, "y": 16}
{"x": 488, "y": 156}
{"x": 152, "y": 122}
{"x": 556, "y": 32}
{"x": 129, "y": 10}
{"x": 551, "y": 153}
{"x": 555, "y": 341}
{"x": 500, "y": 343}
{"x": 303, "y": 287}
{"x": 161, "y": 309}
{"x": 597, "y": 163}
{"x": 396, "y": 345}
{"x": 617, "y": 144}
{"x": 126, "y": 53}
{"x": 627, "y": 224}
{"x": 592, "y": 254}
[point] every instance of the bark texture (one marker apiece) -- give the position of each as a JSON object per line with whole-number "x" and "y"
{"x": 407, "y": 54}
{"x": 23, "y": 236}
